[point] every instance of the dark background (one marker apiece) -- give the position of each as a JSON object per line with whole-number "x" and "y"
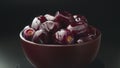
{"x": 15, "y": 14}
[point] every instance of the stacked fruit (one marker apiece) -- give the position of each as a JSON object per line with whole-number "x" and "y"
{"x": 62, "y": 28}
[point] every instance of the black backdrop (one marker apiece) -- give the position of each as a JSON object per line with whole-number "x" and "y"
{"x": 15, "y": 14}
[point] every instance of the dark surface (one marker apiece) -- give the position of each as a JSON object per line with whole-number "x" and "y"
{"x": 15, "y": 14}
{"x": 11, "y": 55}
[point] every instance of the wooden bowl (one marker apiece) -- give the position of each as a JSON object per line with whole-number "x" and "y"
{"x": 61, "y": 56}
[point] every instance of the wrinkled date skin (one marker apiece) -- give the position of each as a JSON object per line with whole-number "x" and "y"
{"x": 40, "y": 36}
{"x": 64, "y": 18}
{"x": 64, "y": 37}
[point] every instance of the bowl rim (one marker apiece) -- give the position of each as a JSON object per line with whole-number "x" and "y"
{"x": 58, "y": 45}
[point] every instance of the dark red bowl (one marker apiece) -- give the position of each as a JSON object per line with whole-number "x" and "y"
{"x": 60, "y": 56}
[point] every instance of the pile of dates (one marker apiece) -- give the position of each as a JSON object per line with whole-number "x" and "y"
{"x": 61, "y": 28}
